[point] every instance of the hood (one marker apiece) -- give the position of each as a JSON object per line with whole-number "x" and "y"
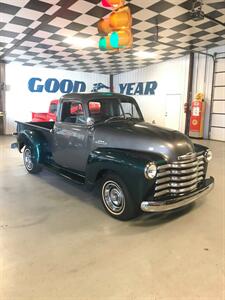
{"x": 144, "y": 137}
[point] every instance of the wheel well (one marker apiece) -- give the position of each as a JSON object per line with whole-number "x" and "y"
{"x": 23, "y": 141}
{"x": 102, "y": 173}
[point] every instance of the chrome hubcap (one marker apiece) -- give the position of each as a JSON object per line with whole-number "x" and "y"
{"x": 28, "y": 160}
{"x": 113, "y": 197}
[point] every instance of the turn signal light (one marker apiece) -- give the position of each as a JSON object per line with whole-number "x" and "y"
{"x": 113, "y": 3}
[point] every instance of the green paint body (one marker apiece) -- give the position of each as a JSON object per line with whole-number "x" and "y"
{"x": 128, "y": 165}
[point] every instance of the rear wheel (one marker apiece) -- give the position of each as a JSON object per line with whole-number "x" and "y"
{"x": 30, "y": 160}
{"x": 116, "y": 198}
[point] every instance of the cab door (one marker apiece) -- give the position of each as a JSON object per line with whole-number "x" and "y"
{"x": 72, "y": 137}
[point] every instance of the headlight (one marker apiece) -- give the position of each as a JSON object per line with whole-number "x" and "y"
{"x": 208, "y": 155}
{"x": 150, "y": 170}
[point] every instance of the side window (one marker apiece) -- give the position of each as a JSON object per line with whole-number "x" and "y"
{"x": 53, "y": 108}
{"x": 94, "y": 108}
{"x": 72, "y": 112}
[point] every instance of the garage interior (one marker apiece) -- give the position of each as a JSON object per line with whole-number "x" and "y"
{"x": 56, "y": 241}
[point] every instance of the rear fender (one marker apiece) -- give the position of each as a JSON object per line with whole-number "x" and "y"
{"x": 32, "y": 138}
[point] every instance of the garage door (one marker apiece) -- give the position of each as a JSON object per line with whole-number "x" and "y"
{"x": 217, "y": 114}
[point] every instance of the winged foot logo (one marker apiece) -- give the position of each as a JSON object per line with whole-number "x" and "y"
{"x": 99, "y": 86}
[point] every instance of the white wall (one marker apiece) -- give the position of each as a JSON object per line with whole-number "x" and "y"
{"x": 172, "y": 78}
{"x": 20, "y": 101}
{"x": 202, "y": 80}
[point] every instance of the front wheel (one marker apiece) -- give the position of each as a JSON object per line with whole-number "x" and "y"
{"x": 116, "y": 198}
{"x": 30, "y": 160}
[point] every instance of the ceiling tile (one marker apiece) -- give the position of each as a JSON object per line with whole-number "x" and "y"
{"x": 52, "y": 10}
{"x": 81, "y": 6}
{"x": 38, "y": 5}
{"x": 42, "y": 34}
{"x": 144, "y": 14}
{"x": 14, "y": 28}
{"x": 60, "y": 22}
{"x": 9, "y": 9}
{"x": 86, "y": 20}
{"x": 21, "y": 21}
{"x": 160, "y": 6}
{"x": 75, "y": 26}
{"x": 29, "y": 14}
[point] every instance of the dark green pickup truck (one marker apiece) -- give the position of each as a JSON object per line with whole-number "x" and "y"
{"x": 102, "y": 138}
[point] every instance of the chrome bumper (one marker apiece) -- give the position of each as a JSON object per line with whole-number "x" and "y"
{"x": 170, "y": 204}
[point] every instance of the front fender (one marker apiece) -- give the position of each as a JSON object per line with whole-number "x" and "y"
{"x": 200, "y": 148}
{"x": 128, "y": 165}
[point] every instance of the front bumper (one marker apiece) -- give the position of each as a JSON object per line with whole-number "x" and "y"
{"x": 173, "y": 203}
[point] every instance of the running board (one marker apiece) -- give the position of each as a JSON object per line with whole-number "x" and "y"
{"x": 75, "y": 177}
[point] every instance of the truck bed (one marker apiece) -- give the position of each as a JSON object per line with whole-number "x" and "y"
{"x": 40, "y": 126}
{"x": 39, "y": 117}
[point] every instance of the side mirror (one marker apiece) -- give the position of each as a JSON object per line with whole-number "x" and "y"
{"x": 90, "y": 122}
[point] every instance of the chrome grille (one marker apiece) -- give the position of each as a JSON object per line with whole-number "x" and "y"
{"x": 180, "y": 177}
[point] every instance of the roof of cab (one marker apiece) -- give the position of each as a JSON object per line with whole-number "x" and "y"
{"x": 91, "y": 96}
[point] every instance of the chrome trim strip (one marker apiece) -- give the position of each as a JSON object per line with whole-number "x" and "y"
{"x": 177, "y": 184}
{"x": 180, "y": 172}
{"x": 190, "y": 155}
{"x": 187, "y": 156}
{"x": 176, "y": 191}
{"x": 181, "y": 178}
{"x": 153, "y": 206}
{"x": 181, "y": 165}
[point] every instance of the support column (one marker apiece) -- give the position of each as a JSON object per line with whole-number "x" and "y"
{"x": 189, "y": 93}
{"x": 111, "y": 83}
{"x": 2, "y": 98}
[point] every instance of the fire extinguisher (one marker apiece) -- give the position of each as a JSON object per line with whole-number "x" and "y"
{"x": 197, "y": 116}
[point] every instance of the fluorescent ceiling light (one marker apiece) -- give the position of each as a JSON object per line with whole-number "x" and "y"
{"x": 145, "y": 55}
{"x": 80, "y": 42}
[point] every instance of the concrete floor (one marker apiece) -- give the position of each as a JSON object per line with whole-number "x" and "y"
{"x": 56, "y": 242}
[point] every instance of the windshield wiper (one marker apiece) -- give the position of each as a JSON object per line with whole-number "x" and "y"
{"x": 115, "y": 117}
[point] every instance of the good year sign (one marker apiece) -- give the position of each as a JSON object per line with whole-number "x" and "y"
{"x": 140, "y": 88}
{"x": 53, "y": 85}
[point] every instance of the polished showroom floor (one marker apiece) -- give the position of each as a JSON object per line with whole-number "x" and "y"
{"x": 56, "y": 242}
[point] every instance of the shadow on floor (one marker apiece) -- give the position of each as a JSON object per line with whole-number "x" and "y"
{"x": 93, "y": 198}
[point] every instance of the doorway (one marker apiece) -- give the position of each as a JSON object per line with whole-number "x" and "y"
{"x": 173, "y": 111}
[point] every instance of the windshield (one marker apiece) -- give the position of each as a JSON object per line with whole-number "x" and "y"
{"x": 111, "y": 109}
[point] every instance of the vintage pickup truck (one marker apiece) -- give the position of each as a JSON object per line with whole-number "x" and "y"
{"x": 139, "y": 166}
